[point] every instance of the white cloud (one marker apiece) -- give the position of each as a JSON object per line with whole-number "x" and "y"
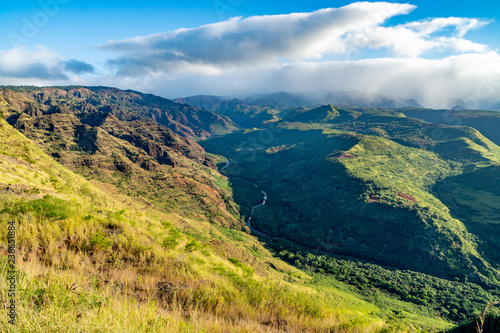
{"x": 416, "y": 38}
{"x": 30, "y": 63}
{"x": 402, "y": 42}
{"x": 254, "y": 40}
{"x": 288, "y": 52}
{"x": 462, "y": 25}
{"x": 461, "y": 45}
{"x": 25, "y": 65}
{"x": 475, "y": 78}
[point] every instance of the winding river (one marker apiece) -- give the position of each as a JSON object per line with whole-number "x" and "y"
{"x": 225, "y": 166}
{"x": 249, "y": 220}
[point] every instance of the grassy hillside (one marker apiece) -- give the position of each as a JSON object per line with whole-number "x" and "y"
{"x": 93, "y": 258}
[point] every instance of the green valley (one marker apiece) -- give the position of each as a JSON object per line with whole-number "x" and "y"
{"x": 375, "y": 185}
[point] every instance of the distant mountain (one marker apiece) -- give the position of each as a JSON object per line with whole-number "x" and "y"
{"x": 280, "y": 99}
{"x": 229, "y": 104}
{"x": 495, "y": 107}
{"x": 487, "y": 122}
{"x": 240, "y": 111}
{"x": 458, "y": 104}
{"x": 337, "y": 98}
{"x": 206, "y": 102}
{"x": 212, "y": 103}
{"x": 289, "y": 99}
{"x": 325, "y": 113}
{"x": 259, "y": 109}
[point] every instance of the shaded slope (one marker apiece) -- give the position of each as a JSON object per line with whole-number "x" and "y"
{"x": 323, "y": 114}
{"x": 474, "y": 198}
{"x": 239, "y": 111}
{"x": 206, "y": 102}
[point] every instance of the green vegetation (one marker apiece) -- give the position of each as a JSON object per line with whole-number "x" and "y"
{"x": 48, "y": 206}
{"x": 171, "y": 241}
{"x": 452, "y": 299}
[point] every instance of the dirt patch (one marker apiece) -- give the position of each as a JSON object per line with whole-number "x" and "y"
{"x": 406, "y": 197}
{"x": 374, "y": 198}
{"x": 343, "y": 155}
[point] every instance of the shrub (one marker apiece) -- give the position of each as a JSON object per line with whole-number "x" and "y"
{"x": 100, "y": 241}
{"x": 171, "y": 241}
{"x": 48, "y": 206}
{"x": 191, "y": 246}
{"x": 248, "y": 270}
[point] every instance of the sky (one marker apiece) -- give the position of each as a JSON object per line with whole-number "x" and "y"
{"x": 440, "y": 53}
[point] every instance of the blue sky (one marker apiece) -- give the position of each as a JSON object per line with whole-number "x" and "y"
{"x": 84, "y": 24}
{"x": 378, "y": 47}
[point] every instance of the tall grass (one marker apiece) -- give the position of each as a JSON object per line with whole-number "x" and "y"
{"x": 104, "y": 271}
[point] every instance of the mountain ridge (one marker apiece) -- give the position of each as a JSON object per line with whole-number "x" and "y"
{"x": 185, "y": 120}
{"x": 314, "y": 99}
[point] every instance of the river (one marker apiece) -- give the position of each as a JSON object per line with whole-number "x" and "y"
{"x": 249, "y": 220}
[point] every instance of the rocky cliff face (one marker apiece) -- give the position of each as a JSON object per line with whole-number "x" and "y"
{"x": 124, "y": 143}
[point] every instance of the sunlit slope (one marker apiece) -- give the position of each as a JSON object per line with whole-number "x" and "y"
{"x": 402, "y": 178}
{"x": 28, "y": 172}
